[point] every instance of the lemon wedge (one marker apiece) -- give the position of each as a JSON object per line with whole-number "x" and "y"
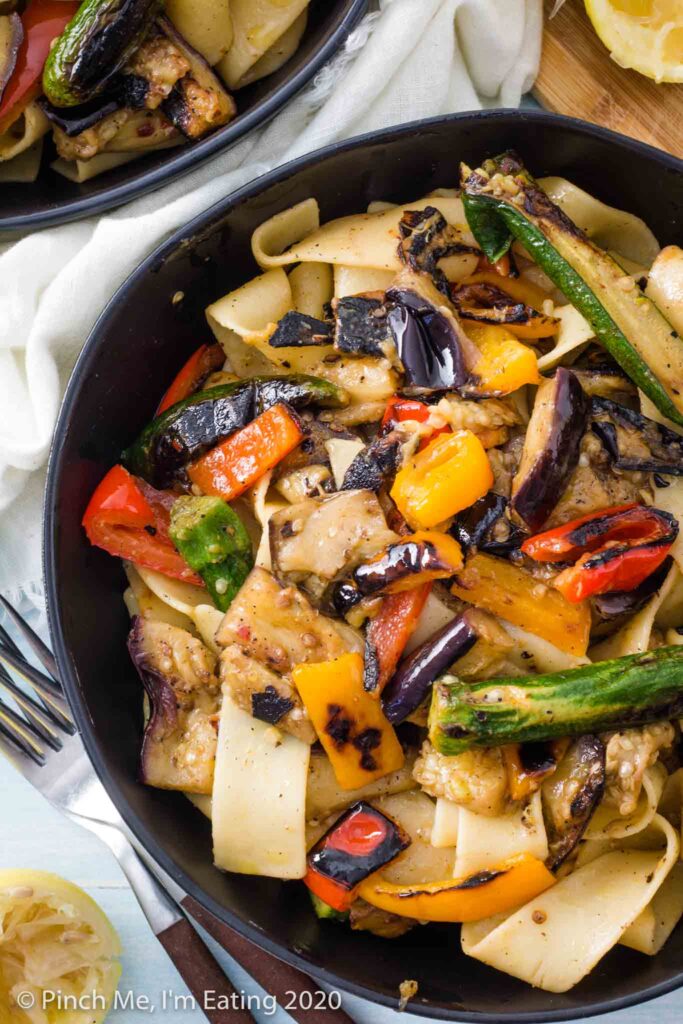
{"x": 58, "y": 952}
{"x": 646, "y": 35}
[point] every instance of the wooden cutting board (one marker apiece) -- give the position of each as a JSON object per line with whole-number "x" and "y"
{"x": 578, "y": 78}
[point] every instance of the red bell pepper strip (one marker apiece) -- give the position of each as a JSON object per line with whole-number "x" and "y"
{"x": 613, "y": 550}
{"x": 230, "y": 468}
{"x": 201, "y": 363}
{"x": 388, "y": 633}
{"x": 361, "y": 842}
{"x": 129, "y": 519}
{"x": 399, "y": 410}
{"x": 42, "y": 21}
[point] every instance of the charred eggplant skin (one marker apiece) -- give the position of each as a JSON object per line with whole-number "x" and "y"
{"x": 193, "y": 426}
{"x": 473, "y": 527}
{"x": 414, "y": 676}
{"x": 541, "y": 480}
{"x": 581, "y": 773}
{"x": 625, "y": 691}
{"x": 628, "y": 323}
{"x": 375, "y": 465}
{"x": 94, "y": 46}
{"x": 74, "y": 120}
{"x": 295, "y": 330}
{"x": 665, "y": 445}
{"x": 620, "y": 603}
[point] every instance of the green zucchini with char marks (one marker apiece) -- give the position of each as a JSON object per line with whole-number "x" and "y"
{"x": 625, "y": 320}
{"x": 591, "y": 699}
{"x": 94, "y": 46}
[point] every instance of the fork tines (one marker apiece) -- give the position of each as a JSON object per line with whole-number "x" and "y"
{"x": 36, "y": 719}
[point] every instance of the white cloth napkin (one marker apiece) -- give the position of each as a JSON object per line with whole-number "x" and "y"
{"x": 408, "y": 59}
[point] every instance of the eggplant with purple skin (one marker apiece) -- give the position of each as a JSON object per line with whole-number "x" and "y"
{"x": 485, "y": 526}
{"x": 635, "y": 442}
{"x": 74, "y": 120}
{"x": 551, "y": 447}
{"x": 571, "y": 795}
{"x": 415, "y": 675}
{"x": 198, "y": 102}
{"x": 429, "y": 342}
{"x": 375, "y": 464}
{"x": 178, "y": 673}
{"x": 11, "y": 38}
{"x": 613, "y": 609}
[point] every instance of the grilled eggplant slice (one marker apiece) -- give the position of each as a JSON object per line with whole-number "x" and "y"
{"x": 626, "y": 321}
{"x": 362, "y": 326}
{"x": 198, "y": 102}
{"x": 485, "y": 526}
{"x": 551, "y": 447}
{"x": 614, "y": 608}
{"x": 297, "y": 329}
{"x": 75, "y": 120}
{"x": 178, "y": 673}
{"x": 94, "y": 47}
{"x": 376, "y": 464}
{"x": 571, "y": 795}
{"x": 189, "y": 428}
{"x": 11, "y": 38}
{"x": 426, "y": 238}
{"x": 635, "y": 442}
{"x": 487, "y": 304}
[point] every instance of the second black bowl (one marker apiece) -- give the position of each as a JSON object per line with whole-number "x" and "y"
{"x": 138, "y": 344}
{"x": 52, "y": 199}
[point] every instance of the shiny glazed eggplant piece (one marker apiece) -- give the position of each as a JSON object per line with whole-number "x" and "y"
{"x": 635, "y": 442}
{"x": 427, "y": 342}
{"x": 571, "y": 795}
{"x": 484, "y": 526}
{"x": 414, "y": 676}
{"x": 619, "y": 604}
{"x": 551, "y": 447}
{"x": 95, "y": 45}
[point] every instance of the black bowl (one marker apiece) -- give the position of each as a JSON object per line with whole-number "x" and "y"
{"x": 139, "y": 342}
{"x": 52, "y": 199}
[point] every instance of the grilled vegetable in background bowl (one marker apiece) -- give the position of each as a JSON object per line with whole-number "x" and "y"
{"x": 629, "y": 690}
{"x": 614, "y": 550}
{"x": 551, "y": 447}
{"x": 212, "y": 539}
{"x": 628, "y": 324}
{"x": 359, "y": 843}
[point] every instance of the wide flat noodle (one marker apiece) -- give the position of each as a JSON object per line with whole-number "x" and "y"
{"x": 606, "y": 226}
{"x": 545, "y": 657}
{"x": 312, "y": 288}
{"x": 194, "y": 602}
{"x": 143, "y": 601}
{"x": 421, "y": 862}
{"x": 259, "y": 797}
{"x": 608, "y": 824}
{"x": 671, "y": 500}
{"x": 574, "y": 333}
{"x": 555, "y": 940}
{"x": 205, "y": 24}
{"x": 279, "y": 53}
{"x": 355, "y": 280}
{"x": 25, "y": 167}
{"x": 435, "y": 614}
{"x": 483, "y": 842}
{"x": 325, "y": 796}
{"x": 446, "y": 821}
{"x": 257, "y": 25}
{"x": 634, "y": 637}
{"x": 654, "y": 925}
{"x": 342, "y": 451}
{"x": 361, "y": 240}
{"x": 263, "y": 508}
{"x": 25, "y": 131}
{"x": 665, "y": 285}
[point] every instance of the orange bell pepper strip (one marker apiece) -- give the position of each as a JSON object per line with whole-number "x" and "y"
{"x": 388, "y": 633}
{"x": 511, "y": 593}
{"x": 201, "y": 363}
{"x": 505, "y": 364}
{"x": 230, "y": 468}
{"x": 450, "y": 474}
{"x": 357, "y": 738}
{"x": 510, "y": 884}
{"x": 129, "y": 519}
{"x": 42, "y": 21}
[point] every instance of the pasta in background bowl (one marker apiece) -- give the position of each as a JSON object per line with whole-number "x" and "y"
{"x": 86, "y": 146}
{"x": 281, "y": 250}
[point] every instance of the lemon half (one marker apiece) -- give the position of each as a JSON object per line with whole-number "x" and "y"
{"x": 646, "y": 35}
{"x": 58, "y": 952}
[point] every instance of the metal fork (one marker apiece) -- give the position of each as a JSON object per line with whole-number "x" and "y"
{"x": 40, "y": 739}
{"x": 45, "y": 747}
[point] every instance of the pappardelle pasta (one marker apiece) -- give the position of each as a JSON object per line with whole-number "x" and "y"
{"x": 405, "y": 572}
{"x": 112, "y": 80}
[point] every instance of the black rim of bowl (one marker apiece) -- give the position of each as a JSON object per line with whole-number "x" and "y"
{"x": 68, "y": 670}
{"x": 188, "y": 157}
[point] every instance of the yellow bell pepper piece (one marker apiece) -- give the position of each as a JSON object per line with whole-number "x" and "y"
{"x": 511, "y": 593}
{"x": 450, "y": 474}
{"x": 349, "y": 721}
{"x": 506, "y": 364}
{"x": 512, "y": 883}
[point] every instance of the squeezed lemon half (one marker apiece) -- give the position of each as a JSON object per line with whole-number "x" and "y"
{"x": 58, "y": 952}
{"x": 646, "y": 35}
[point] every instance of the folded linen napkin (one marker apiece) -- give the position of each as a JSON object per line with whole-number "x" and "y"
{"x": 408, "y": 59}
